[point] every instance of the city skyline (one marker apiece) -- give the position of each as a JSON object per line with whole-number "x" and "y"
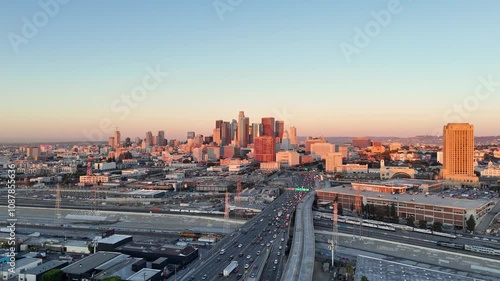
{"x": 294, "y": 66}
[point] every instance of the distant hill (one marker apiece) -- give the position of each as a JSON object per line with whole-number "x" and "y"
{"x": 433, "y": 140}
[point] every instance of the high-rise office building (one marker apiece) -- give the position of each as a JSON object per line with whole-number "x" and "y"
{"x": 161, "y": 138}
{"x": 218, "y": 123}
{"x": 279, "y": 128}
{"x": 149, "y": 139}
{"x": 33, "y": 152}
{"x": 333, "y": 160}
{"x": 293, "y": 136}
{"x": 264, "y": 149}
{"x": 128, "y": 142}
{"x": 198, "y": 140}
{"x": 322, "y": 149}
{"x": 226, "y": 134}
{"x": 217, "y": 136}
{"x": 111, "y": 141}
{"x": 138, "y": 140}
{"x": 234, "y": 129}
{"x": 458, "y": 152}
{"x": 256, "y": 127}
{"x": 285, "y": 142}
{"x": 310, "y": 141}
{"x": 243, "y": 123}
{"x": 190, "y": 135}
{"x": 268, "y": 124}
{"x": 117, "y": 139}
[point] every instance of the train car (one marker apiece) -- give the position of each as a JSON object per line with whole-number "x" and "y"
{"x": 353, "y": 222}
{"x": 426, "y": 231}
{"x": 444, "y": 234}
{"x": 483, "y": 250}
{"x": 451, "y": 245}
{"x": 388, "y": 228}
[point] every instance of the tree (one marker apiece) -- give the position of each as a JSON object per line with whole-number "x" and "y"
{"x": 471, "y": 223}
{"x": 410, "y": 221}
{"x": 422, "y": 224}
{"x": 112, "y": 278}
{"x": 53, "y": 275}
{"x": 437, "y": 226}
{"x": 340, "y": 209}
{"x": 349, "y": 271}
{"x": 364, "y": 278}
{"x": 393, "y": 211}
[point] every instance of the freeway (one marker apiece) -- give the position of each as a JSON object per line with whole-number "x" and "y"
{"x": 301, "y": 261}
{"x": 265, "y": 232}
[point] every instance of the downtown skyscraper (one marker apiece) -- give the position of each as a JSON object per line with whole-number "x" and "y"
{"x": 243, "y": 129}
{"x": 279, "y": 128}
{"x": 268, "y": 124}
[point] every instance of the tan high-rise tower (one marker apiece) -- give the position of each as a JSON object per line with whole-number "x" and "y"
{"x": 458, "y": 153}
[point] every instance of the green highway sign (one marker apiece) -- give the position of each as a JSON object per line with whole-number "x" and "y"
{"x": 301, "y": 189}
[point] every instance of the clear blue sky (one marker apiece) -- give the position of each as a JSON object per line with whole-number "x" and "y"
{"x": 268, "y": 58}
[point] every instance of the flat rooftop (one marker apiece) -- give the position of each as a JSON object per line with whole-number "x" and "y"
{"x": 168, "y": 250}
{"x": 113, "y": 239}
{"x": 403, "y": 182}
{"x": 86, "y": 264}
{"x": 143, "y": 274}
{"x": 378, "y": 269}
{"x": 24, "y": 261}
{"x": 436, "y": 200}
{"x": 44, "y": 267}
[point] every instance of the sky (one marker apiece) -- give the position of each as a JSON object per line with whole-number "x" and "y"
{"x": 76, "y": 70}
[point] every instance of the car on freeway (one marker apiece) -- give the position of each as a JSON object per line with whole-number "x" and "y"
{"x": 247, "y": 266}
{"x": 204, "y": 277}
{"x": 258, "y": 253}
{"x": 249, "y": 256}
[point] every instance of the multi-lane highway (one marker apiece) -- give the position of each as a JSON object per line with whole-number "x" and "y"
{"x": 266, "y": 234}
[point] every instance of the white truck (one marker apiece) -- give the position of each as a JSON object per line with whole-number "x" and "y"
{"x": 227, "y": 271}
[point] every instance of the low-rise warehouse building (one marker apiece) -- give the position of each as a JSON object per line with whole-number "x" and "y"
{"x": 151, "y": 252}
{"x": 431, "y": 208}
{"x": 35, "y": 274}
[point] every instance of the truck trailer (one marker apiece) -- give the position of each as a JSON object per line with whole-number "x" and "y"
{"x": 227, "y": 271}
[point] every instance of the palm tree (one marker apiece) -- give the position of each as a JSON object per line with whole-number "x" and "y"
{"x": 349, "y": 271}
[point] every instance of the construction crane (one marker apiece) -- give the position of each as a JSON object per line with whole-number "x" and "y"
{"x": 335, "y": 241}
{"x": 226, "y": 212}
